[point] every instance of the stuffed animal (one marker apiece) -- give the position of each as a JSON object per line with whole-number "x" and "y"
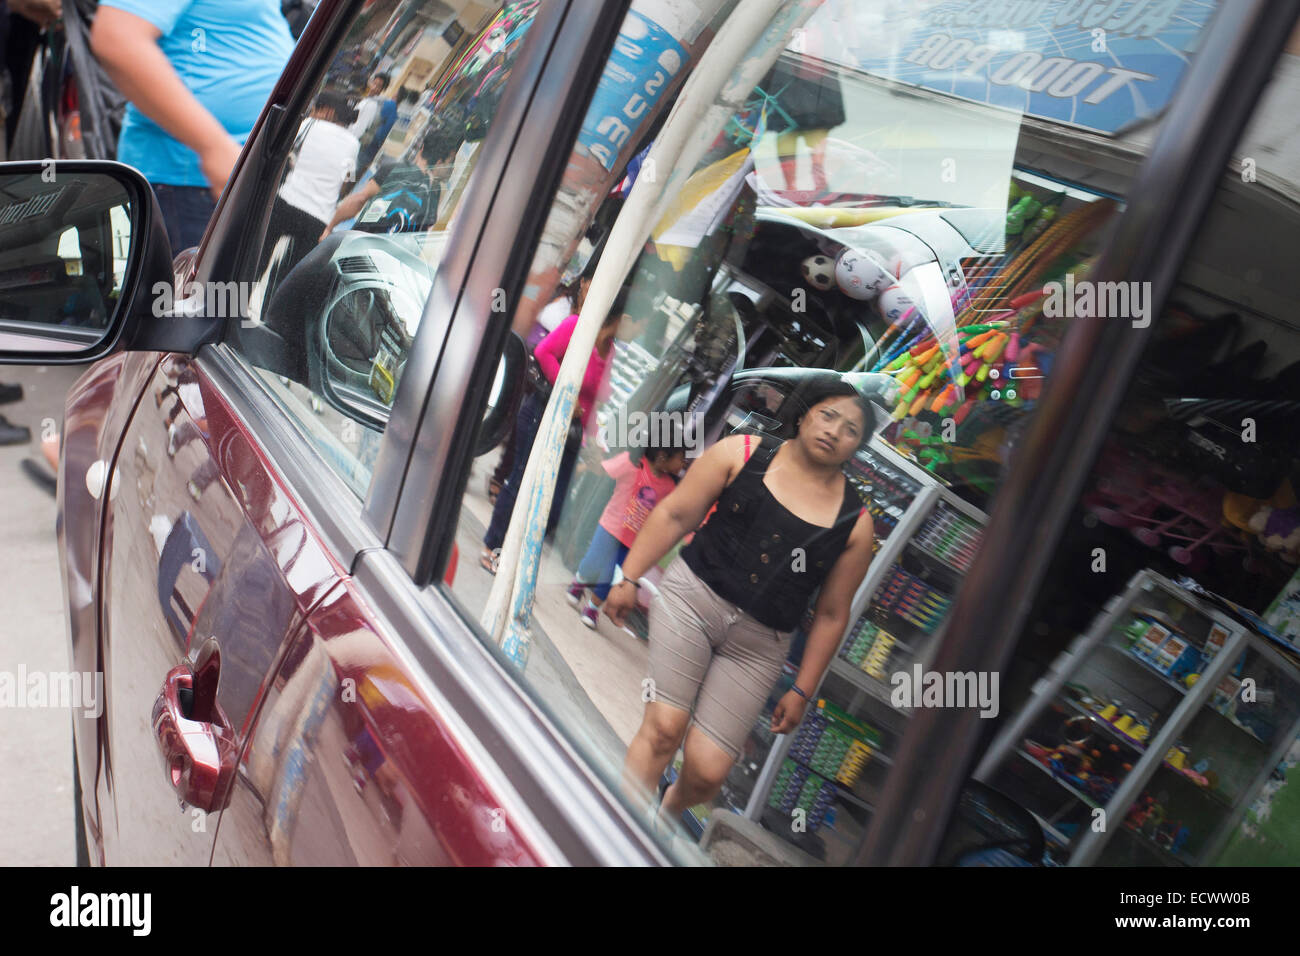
{"x": 1279, "y": 530}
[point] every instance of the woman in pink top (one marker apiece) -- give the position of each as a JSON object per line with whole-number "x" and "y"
{"x": 568, "y": 302}
{"x": 639, "y": 486}
{"x": 549, "y": 354}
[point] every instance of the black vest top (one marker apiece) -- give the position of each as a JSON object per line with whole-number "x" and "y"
{"x": 754, "y": 553}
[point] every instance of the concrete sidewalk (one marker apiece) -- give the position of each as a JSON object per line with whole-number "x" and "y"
{"x": 36, "y": 813}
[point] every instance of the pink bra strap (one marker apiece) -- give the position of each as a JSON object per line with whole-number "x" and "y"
{"x": 747, "y": 440}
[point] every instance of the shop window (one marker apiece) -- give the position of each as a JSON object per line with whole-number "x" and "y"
{"x": 849, "y": 253}
{"x": 1153, "y": 706}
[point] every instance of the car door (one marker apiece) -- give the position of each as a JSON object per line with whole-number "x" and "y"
{"x": 208, "y": 573}
{"x": 359, "y": 734}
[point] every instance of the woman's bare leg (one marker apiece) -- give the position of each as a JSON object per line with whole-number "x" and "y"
{"x": 703, "y": 771}
{"x": 651, "y": 750}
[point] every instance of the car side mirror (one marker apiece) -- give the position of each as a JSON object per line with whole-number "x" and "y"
{"x": 84, "y": 266}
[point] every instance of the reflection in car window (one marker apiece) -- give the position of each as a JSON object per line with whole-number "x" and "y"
{"x": 1168, "y": 627}
{"x": 70, "y": 236}
{"x": 361, "y": 214}
{"x": 798, "y": 405}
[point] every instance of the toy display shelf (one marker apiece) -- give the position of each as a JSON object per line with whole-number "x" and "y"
{"x": 920, "y": 508}
{"x": 1110, "y": 731}
{"x": 1236, "y": 743}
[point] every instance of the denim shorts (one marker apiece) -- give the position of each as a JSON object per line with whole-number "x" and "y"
{"x": 711, "y": 658}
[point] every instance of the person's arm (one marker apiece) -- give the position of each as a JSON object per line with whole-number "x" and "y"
{"x": 352, "y": 205}
{"x": 620, "y": 466}
{"x": 127, "y": 47}
{"x": 830, "y": 619}
{"x": 550, "y": 350}
{"x": 40, "y": 12}
{"x": 672, "y": 518}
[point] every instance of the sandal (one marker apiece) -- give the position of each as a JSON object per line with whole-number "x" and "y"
{"x": 488, "y": 558}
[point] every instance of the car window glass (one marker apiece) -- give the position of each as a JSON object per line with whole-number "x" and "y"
{"x": 363, "y": 210}
{"x": 853, "y": 272}
{"x": 1174, "y": 589}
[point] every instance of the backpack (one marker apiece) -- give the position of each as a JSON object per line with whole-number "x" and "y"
{"x": 407, "y": 202}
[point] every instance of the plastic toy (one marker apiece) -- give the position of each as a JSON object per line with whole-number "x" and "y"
{"x": 818, "y": 271}
{"x": 1279, "y": 530}
{"x": 861, "y": 275}
{"x": 1161, "y": 509}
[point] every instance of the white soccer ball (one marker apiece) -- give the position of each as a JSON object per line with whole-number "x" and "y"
{"x": 895, "y": 303}
{"x": 818, "y": 271}
{"x": 861, "y": 274}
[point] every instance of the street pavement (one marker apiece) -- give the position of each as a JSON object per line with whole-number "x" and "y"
{"x": 36, "y": 812}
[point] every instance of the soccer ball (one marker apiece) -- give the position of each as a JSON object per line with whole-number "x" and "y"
{"x": 895, "y": 304}
{"x": 861, "y": 275}
{"x": 819, "y": 272}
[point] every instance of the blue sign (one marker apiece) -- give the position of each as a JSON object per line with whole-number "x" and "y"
{"x": 1098, "y": 64}
{"x": 646, "y": 58}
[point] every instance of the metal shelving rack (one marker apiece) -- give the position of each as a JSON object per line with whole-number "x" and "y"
{"x": 1089, "y": 844}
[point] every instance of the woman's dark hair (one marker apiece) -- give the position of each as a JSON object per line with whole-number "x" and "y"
{"x": 617, "y": 307}
{"x": 675, "y": 442}
{"x": 439, "y": 143}
{"x": 333, "y": 100}
{"x": 817, "y": 394}
{"x": 589, "y": 270}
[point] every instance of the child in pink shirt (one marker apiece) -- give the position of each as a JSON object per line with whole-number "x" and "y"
{"x": 639, "y": 486}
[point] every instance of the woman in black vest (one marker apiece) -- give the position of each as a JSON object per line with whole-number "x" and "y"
{"x": 787, "y": 522}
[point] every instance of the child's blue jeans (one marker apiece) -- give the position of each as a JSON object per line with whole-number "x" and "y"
{"x": 597, "y": 567}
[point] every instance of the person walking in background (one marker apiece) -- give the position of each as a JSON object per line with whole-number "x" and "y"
{"x": 639, "y": 486}
{"x": 376, "y": 115}
{"x": 324, "y": 161}
{"x": 405, "y": 195}
{"x": 550, "y": 354}
{"x": 566, "y": 304}
{"x": 197, "y": 74}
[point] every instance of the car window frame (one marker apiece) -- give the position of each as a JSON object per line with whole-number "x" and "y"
{"x": 573, "y": 815}
{"x": 420, "y": 477}
{"x": 347, "y": 524}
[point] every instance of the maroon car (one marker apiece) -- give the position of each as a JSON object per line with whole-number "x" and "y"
{"x": 292, "y": 445}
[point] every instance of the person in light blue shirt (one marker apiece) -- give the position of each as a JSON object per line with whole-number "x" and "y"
{"x": 197, "y": 74}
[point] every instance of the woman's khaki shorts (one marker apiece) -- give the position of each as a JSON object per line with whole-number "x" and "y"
{"x": 710, "y": 657}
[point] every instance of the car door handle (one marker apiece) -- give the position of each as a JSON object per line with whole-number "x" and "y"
{"x": 198, "y": 745}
